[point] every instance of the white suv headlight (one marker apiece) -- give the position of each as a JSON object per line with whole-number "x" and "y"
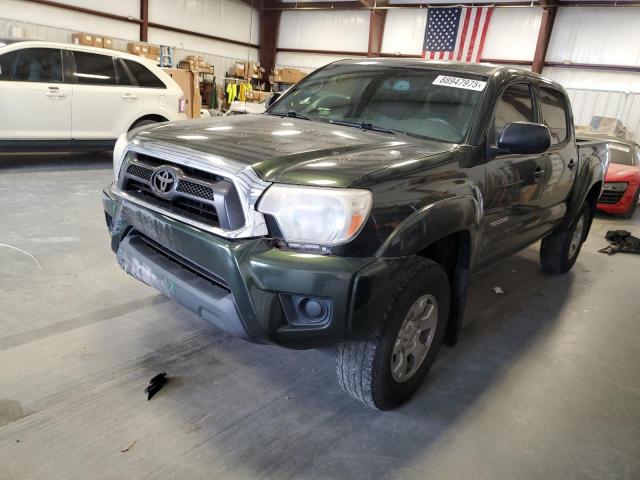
{"x": 317, "y": 216}
{"x": 119, "y": 150}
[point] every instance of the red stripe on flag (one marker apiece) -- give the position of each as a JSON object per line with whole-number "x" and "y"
{"x": 474, "y": 34}
{"x": 450, "y": 55}
{"x": 464, "y": 34}
{"x": 431, "y": 55}
{"x": 484, "y": 32}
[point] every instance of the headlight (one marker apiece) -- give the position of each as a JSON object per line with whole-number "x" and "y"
{"x": 615, "y": 186}
{"x": 317, "y": 216}
{"x": 119, "y": 150}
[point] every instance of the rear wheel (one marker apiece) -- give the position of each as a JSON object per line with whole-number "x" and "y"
{"x": 384, "y": 370}
{"x": 634, "y": 204}
{"x": 560, "y": 250}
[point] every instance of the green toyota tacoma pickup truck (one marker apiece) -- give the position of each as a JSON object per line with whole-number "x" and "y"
{"x": 353, "y": 212}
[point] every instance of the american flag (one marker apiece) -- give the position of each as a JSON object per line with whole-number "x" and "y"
{"x": 456, "y": 33}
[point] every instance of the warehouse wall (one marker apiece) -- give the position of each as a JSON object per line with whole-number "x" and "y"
{"x": 79, "y": 22}
{"x": 321, "y": 30}
{"x": 599, "y": 36}
{"x": 224, "y": 18}
{"x": 404, "y": 33}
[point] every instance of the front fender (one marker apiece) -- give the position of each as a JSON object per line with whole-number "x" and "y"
{"x": 433, "y": 222}
{"x": 592, "y": 168}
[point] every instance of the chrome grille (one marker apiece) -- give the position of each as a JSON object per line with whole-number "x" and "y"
{"x": 196, "y": 190}
{"x": 140, "y": 172}
{"x": 197, "y": 195}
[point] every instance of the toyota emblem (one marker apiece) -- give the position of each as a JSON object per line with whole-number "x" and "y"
{"x": 163, "y": 180}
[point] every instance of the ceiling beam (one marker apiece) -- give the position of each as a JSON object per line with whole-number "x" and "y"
{"x": 269, "y": 27}
{"x": 544, "y": 35}
{"x": 376, "y": 32}
{"x": 144, "y": 16}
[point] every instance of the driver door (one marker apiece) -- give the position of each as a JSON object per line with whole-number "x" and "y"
{"x": 514, "y": 182}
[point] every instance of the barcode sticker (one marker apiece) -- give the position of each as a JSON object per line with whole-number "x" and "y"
{"x": 458, "y": 82}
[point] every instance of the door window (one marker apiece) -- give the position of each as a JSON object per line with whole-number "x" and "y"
{"x": 514, "y": 105}
{"x": 554, "y": 113}
{"x": 32, "y": 65}
{"x": 7, "y": 63}
{"x": 143, "y": 75}
{"x": 94, "y": 69}
{"x": 124, "y": 78}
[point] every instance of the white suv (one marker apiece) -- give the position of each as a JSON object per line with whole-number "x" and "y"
{"x": 60, "y": 96}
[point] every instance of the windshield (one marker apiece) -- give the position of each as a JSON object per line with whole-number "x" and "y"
{"x": 619, "y": 153}
{"x": 388, "y": 98}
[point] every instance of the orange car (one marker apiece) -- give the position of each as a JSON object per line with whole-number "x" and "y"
{"x": 622, "y": 182}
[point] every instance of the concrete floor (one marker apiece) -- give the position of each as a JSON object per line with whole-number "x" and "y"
{"x": 545, "y": 383}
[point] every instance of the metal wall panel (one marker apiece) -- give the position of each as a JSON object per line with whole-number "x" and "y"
{"x": 325, "y": 30}
{"x": 625, "y": 106}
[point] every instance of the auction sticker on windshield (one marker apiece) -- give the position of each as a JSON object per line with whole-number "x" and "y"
{"x": 458, "y": 82}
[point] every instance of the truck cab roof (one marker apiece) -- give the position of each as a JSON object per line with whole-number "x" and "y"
{"x": 484, "y": 69}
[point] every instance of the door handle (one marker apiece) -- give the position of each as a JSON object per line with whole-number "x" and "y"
{"x": 538, "y": 172}
{"x": 55, "y": 92}
{"x": 129, "y": 96}
{"x": 571, "y": 164}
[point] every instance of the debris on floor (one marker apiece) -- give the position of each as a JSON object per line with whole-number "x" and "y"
{"x": 498, "y": 290}
{"x": 156, "y": 384}
{"x": 621, "y": 241}
{"x": 129, "y": 447}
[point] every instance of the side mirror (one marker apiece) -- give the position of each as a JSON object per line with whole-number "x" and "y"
{"x": 524, "y": 138}
{"x": 274, "y": 96}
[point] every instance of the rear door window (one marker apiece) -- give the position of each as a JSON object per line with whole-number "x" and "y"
{"x": 144, "y": 77}
{"x": 35, "y": 65}
{"x": 514, "y": 105}
{"x": 94, "y": 69}
{"x": 554, "y": 113}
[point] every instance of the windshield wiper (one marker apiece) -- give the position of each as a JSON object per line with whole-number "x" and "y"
{"x": 291, "y": 114}
{"x": 363, "y": 126}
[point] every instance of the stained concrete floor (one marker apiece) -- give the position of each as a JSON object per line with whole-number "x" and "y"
{"x": 545, "y": 383}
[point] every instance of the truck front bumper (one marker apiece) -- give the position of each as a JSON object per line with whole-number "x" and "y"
{"x": 248, "y": 288}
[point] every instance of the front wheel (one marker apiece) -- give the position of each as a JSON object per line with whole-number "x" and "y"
{"x": 560, "y": 250}
{"x": 384, "y": 370}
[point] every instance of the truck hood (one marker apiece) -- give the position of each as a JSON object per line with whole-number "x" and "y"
{"x": 618, "y": 172}
{"x": 295, "y": 151}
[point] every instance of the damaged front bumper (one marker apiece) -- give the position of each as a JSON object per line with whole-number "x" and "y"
{"x": 246, "y": 286}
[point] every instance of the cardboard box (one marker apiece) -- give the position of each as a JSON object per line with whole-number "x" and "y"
{"x": 78, "y": 38}
{"x": 187, "y": 65}
{"x": 190, "y": 85}
{"x": 107, "y": 42}
{"x": 237, "y": 70}
{"x": 144, "y": 48}
{"x": 154, "y": 50}
{"x": 134, "y": 48}
{"x": 98, "y": 42}
{"x": 291, "y": 75}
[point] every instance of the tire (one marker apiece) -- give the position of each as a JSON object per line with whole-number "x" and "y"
{"x": 364, "y": 368}
{"x": 142, "y": 123}
{"x": 560, "y": 250}
{"x": 634, "y": 204}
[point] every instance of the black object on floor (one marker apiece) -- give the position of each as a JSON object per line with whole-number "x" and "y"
{"x": 155, "y": 385}
{"x": 621, "y": 241}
